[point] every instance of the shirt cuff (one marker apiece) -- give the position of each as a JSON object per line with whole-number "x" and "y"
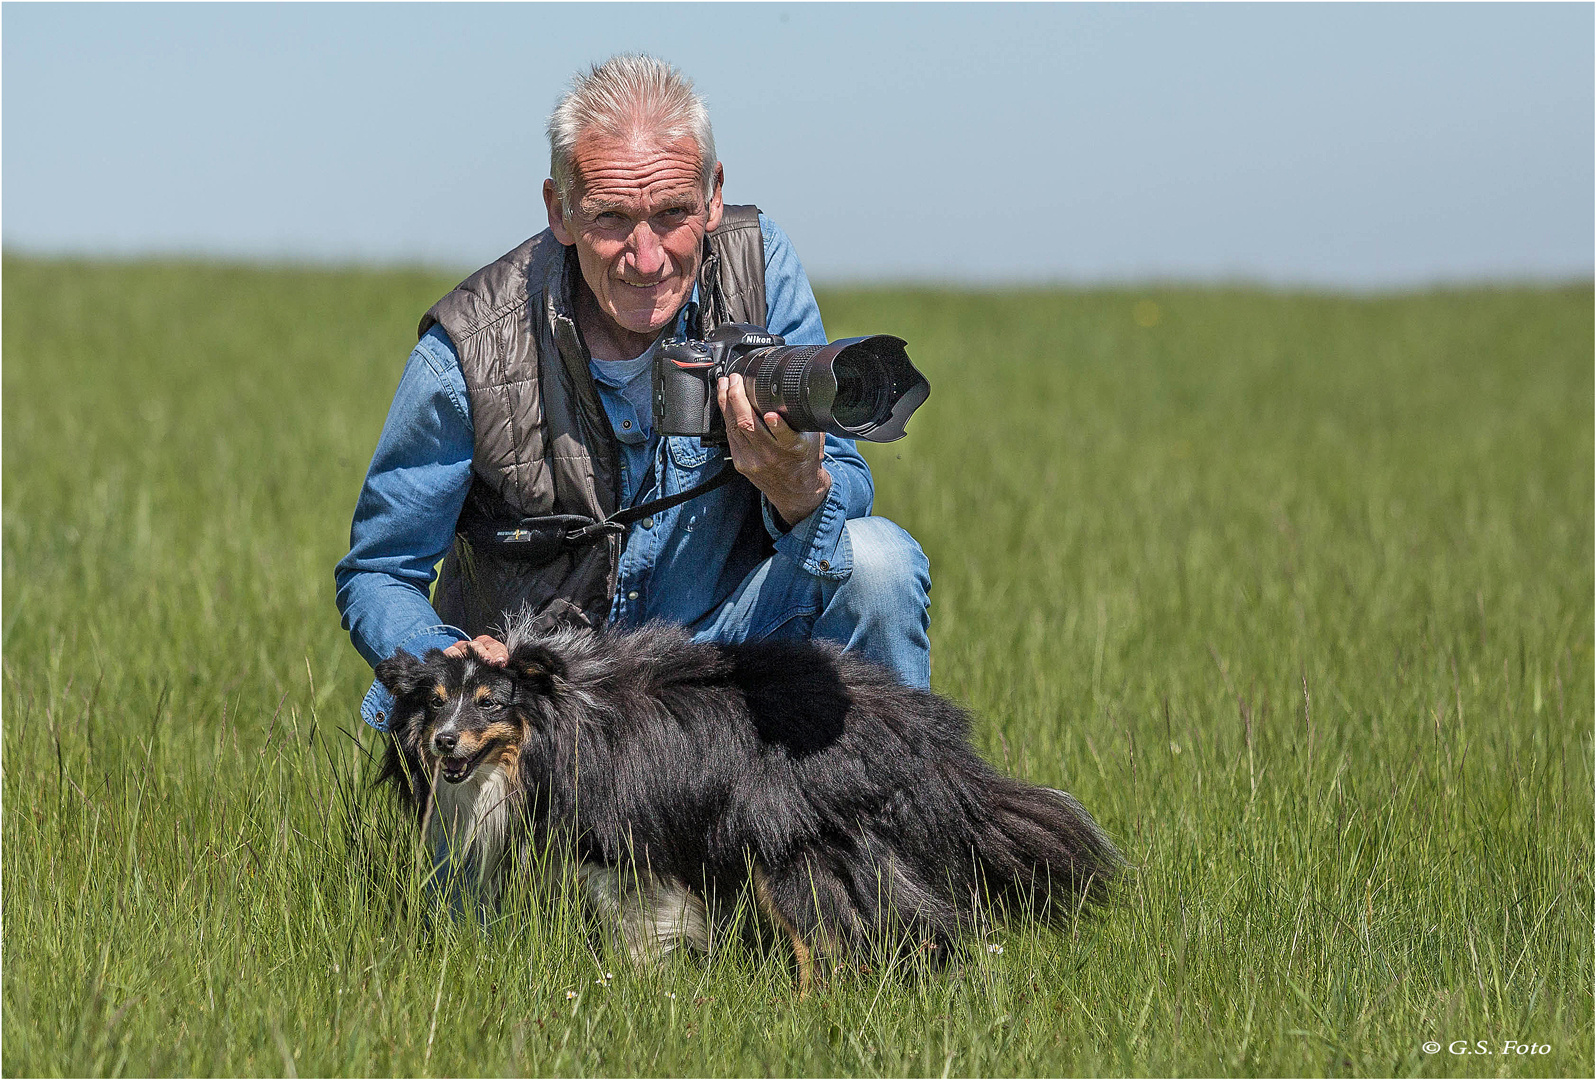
{"x": 377, "y": 707}
{"x": 817, "y": 543}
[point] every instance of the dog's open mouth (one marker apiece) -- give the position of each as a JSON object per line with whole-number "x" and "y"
{"x": 456, "y": 770}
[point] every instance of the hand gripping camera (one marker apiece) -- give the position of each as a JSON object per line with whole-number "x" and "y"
{"x": 856, "y": 388}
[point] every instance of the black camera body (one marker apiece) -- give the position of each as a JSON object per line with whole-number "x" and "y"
{"x": 855, "y": 388}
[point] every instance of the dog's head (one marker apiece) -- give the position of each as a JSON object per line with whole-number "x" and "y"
{"x": 457, "y": 712}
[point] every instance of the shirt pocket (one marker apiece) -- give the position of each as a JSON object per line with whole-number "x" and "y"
{"x": 692, "y": 458}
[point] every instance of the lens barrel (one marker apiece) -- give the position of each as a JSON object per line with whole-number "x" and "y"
{"x": 856, "y": 388}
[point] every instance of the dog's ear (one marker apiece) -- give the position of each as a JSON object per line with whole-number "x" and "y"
{"x": 537, "y": 666}
{"x": 401, "y": 673}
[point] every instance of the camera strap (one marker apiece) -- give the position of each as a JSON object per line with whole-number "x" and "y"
{"x": 540, "y": 540}
{"x": 621, "y": 520}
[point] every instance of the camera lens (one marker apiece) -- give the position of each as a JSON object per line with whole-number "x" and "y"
{"x": 856, "y": 388}
{"x": 862, "y": 391}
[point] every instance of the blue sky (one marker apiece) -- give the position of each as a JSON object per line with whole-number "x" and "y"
{"x": 1355, "y": 146}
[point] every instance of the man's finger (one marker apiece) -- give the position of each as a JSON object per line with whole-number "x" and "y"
{"x": 728, "y": 410}
{"x": 489, "y": 650}
{"x": 742, "y": 414}
{"x": 785, "y": 437}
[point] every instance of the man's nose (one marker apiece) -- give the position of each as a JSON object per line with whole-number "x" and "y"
{"x": 648, "y": 254}
{"x": 444, "y": 742}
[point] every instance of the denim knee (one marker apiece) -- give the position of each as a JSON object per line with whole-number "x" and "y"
{"x": 882, "y": 608}
{"x": 889, "y": 569}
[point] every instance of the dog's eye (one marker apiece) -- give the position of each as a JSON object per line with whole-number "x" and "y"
{"x": 489, "y": 705}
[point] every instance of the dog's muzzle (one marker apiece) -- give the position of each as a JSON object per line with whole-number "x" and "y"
{"x": 456, "y": 769}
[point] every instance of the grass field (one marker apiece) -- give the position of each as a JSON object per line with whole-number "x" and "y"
{"x": 1294, "y": 592}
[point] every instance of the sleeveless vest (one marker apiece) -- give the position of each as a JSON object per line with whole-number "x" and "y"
{"x": 542, "y": 442}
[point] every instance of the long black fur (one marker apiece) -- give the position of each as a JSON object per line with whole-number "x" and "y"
{"x": 861, "y": 800}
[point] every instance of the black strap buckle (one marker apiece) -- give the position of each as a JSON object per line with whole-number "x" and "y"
{"x": 592, "y": 531}
{"x": 540, "y": 540}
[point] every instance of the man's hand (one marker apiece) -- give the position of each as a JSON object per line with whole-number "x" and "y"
{"x": 783, "y": 463}
{"x": 490, "y": 651}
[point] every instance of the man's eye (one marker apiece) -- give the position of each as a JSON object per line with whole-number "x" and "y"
{"x": 675, "y": 215}
{"x": 610, "y": 219}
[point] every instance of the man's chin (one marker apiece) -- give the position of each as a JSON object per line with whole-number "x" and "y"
{"x": 638, "y": 315}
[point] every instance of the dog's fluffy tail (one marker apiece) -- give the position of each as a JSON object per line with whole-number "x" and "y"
{"x": 1041, "y": 851}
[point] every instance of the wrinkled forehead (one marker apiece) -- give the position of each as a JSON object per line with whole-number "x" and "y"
{"x": 620, "y": 173}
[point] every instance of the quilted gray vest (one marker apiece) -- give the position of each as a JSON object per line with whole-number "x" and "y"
{"x": 543, "y": 444}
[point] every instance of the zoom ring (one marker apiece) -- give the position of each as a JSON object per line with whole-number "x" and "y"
{"x": 765, "y": 378}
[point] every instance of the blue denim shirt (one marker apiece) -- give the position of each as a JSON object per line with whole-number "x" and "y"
{"x": 678, "y": 565}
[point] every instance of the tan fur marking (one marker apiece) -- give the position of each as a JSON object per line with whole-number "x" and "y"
{"x": 483, "y": 693}
{"x": 800, "y": 948}
{"x": 440, "y": 693}
{"x": 503, "y": 731}
{"x": 508, "y": 757}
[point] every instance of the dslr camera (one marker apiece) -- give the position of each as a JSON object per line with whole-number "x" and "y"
{"x": 856, "y": 388}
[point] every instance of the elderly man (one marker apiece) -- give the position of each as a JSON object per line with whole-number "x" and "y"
{"x": 529, "y": 395}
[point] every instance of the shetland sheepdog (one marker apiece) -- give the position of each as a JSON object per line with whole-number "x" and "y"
{"x": 670, "y": 773}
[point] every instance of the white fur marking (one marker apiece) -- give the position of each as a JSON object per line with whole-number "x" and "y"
{"x": 656, "y": 914}
{"x": 470, "y": 828}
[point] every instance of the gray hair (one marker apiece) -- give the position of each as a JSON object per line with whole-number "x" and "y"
{"x": 625, "y": 96}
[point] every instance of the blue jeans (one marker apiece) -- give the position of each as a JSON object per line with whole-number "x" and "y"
{"x": 880, "y": 610}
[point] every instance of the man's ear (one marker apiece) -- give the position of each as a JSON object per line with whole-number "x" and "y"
{"x": 717, "y": 205}
{"x": 536, "y": 666}
{"x": 401, "y": 673}
{"x": 551, "y": 203}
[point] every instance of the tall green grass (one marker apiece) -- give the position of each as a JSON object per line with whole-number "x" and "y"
{"x": 1293, "y": 591}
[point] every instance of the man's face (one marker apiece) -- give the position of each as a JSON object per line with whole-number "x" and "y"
{"x": 638, "y": 226}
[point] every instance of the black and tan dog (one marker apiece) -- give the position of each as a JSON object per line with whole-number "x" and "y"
{"x": 672, "y": 773}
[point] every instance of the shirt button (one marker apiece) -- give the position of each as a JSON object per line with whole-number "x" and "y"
{"x": 648, "y": 523}
{"x": 825, "y": 564}
{"x": 380, "y": 716}
{"x": 632, "y": 595}
{"x": 626, "y": 425}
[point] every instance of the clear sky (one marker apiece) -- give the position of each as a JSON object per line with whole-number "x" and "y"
{"x": 1349, "y": 145}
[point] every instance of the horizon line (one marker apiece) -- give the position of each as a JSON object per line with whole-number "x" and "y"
{"x": 1217, "y": 281}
